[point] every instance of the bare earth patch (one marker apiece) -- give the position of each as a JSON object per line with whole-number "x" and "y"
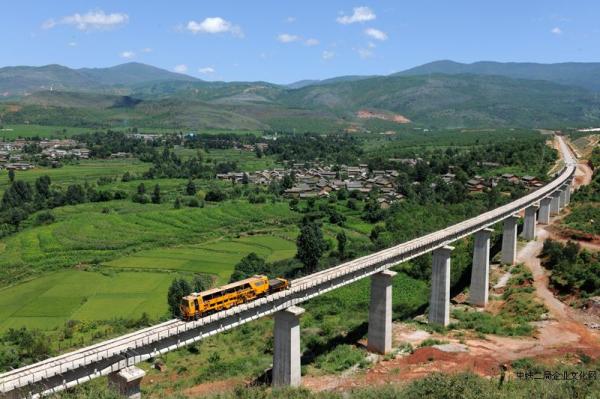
{"x": 368, "y": 114}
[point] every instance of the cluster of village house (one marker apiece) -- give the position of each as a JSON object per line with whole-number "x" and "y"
{"x": 320, "y": 181}
{"x": 12, "y": 156}
{"x": 478, "y": 184}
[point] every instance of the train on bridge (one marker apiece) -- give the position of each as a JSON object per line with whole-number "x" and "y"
{"x": 199, "y": 304}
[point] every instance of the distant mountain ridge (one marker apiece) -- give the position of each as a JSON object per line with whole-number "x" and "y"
{"x": 581, "y": 74}
{"x": 21, "y": 80}
{"x": 439, "y": 94}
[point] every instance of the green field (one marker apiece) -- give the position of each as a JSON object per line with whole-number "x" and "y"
{"x": 246, "y": 160}
{"x": 85, "y": 170}
{"x": 49, "y": 301}
{"x": 216, "y": 257}
{"x": 100, "y": 232}
{"x": 10, "y": 132}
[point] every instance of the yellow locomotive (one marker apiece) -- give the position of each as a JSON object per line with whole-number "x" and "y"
{"x": 199, "y": 304}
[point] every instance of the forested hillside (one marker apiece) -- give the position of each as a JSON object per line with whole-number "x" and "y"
{"x": 427, "y": 101}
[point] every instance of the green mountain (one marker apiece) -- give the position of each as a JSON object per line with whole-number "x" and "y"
{"x": 581, "y": 74}
{"x": 133, "y": 73}
{"x": 144, "y": 96}
{"x": 308, "y": 82}
{"x": 456, "y": 100}
{"x": 22, "y": 80}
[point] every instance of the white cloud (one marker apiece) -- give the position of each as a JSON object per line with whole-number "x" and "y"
{"x": 557, "y": 31}
{"x": 287, "y": 38}
{"x": 311, "y": 42}
{"x": 127, "y": 55}
{"x": 289, "y": 20}
{"x": 181, "y": 68}
{"x": 364, "y": 53}
{"x": 92, "y": 20}
{"x": 206, "y": 70}
{"x": 147, "y": 50}
{"x": 327, "y": 55}
{"x": 360, "y": 14}
{"x": 214, "y": 25}
{"x": 376, "y": 34}
{"x": 371, "y": 45}
{"x": 72, "y": 44}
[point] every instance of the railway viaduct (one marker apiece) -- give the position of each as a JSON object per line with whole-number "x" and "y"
{"x": 116, "y": 358}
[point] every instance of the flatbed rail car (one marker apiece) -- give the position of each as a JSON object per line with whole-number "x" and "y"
{"x": 199, "y": 304}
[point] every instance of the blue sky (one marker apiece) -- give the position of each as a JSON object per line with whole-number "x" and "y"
{"x": 284, "y": 41}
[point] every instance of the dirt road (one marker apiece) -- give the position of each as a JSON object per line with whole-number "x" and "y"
{"x": 561, "y": 334}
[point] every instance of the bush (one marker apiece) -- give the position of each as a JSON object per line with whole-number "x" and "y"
{"x": 215, "y": 195}
{"x": 44, "y": 218}
{"x": 194, "y": 203}
{"x": 141, "y": 198}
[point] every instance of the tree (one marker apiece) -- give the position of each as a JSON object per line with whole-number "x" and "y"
{"x": 287, "y": 182}
{"x": 16, "y": 215}
{"x": 190, "y": 188}
{"x": 178, "y": 289}
{"x": 75, "y": 194}
{"x": 250, "y": 265}
{"x": 245, "y": 179}
{"x": 215, "y": 195}
{"x": 126, "y": 177}
{"x": 156, "y": 195}
{"x": 177, "y": 203}
{"x": 141, "y": 189}
{"x": 341, "y": 240}
{"x": 42, "y": 186}
{"x": 373, "y": 212}
{"x": 18, "y": 194}
{"x": 11, "y": 175}
{"x": 310, "y": 246}
{"x": 200, "y": 283}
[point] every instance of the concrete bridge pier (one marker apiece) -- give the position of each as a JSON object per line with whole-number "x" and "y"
{"x": 127, "y": 382}
{"x": 529, "y": 223}
{"x": 563, "y": 196}
{"x": 13, "y": 395}
{"x": 509, "y": 240}
{"x": 286, "y": 351}
{"x": 480, "y": 272}
{"x": 544, "y": 216}
{"x": 380, "y": 313}
{"x": 555, "y": 204}
{"x": 569, "y": 188}
{"x": 439, "y": 303}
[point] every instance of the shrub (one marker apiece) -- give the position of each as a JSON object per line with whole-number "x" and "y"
{"x": 44, "y": 217}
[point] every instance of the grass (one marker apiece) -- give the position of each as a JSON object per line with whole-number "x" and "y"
{"x": 519, "y": 309}
{"x": 86, "y": 234}
{"x": 9, "y": 132}
{"x": 339, "y": 359}
{"x": 215, "y": 257}
{"x": 584, "y": 217}
{"x": 49, "y": 301}
{"x": 246, "y": 160}
{"x": 85, "y": 170}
